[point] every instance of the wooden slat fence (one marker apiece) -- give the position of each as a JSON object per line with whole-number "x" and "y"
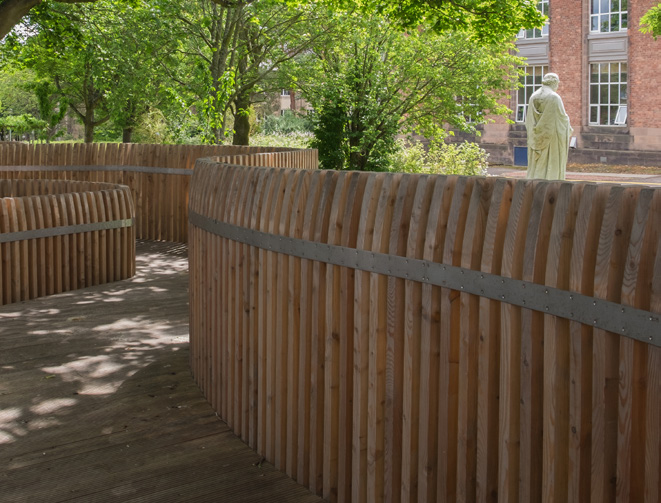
{"x": 57, "y": 236}
{"x": 432, "y": 338}
{"x": 158, "y": 175}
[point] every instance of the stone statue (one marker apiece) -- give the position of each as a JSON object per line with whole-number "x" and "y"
{"x": 549, "y": 132}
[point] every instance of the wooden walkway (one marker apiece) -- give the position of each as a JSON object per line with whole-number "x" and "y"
{"x": 97, "y": 402}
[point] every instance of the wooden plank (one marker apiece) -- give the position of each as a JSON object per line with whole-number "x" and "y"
{"x": 431, "y": 394}
{"x": 305, "y": 355}
{"x": 611, "y": 253}
{"x": 319, "y": 397}
{"x": 332, "y": 335}
{"x": 254, "y": 370}
{"x": 295, "y": 301}
{"x": 510, "y": 351}
{"x": 412, "y": 400}
{"x": 471, "y": 258}
{"x": 361, "y": 300}
{"x": 283, "y": 331}
{"x": 652, "y": 451}
{"x": 489, "y": 348}
{"x": 348, "y": 238}
{"x": 22, "y": 258}
{"x": 532, "y": 341}
{"x": 556, "y": 349}
{"x": 634, "y": 370}
{"x": 450, "y": 339}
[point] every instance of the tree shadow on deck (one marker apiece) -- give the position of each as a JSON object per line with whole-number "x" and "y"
{"x": 97, "y": 402}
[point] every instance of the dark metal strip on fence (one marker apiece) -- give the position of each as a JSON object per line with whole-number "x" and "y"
{"x": 64, "y": 230}
{"x": 133, "y": 169}
{"x": 630, "y": 322}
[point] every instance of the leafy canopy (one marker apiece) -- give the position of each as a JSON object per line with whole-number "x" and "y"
{"x": 371, "y": 82}
{"x": 484, "y": 20}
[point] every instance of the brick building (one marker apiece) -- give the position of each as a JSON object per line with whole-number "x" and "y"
{"x": 610, "y": 82}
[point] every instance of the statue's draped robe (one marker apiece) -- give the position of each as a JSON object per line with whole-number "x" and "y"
{"x": 549, "y": 132}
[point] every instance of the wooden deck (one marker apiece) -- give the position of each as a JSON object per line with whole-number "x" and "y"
{"x": 97, "y": 402}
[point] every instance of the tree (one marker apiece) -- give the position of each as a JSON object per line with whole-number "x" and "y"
{"x": 651, "y": 22}
{"x": 98, "y": 56}
{"x": 375, "y": 82}
{"x": 18, "y": 125}
{"x": 52, "y": 108}
{"x": 16, "y": 92}
{"x": 229, "y": 56}
{"x": 270, "y": 35}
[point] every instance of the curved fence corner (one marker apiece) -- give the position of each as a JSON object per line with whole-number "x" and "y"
{"x": 158, "y": 175}
{"x": 428, "y": 338}
{"x": 57, "y": 236}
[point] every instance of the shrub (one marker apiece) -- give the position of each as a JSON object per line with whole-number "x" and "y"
{"x": 408, "y": 158}
{"x": 289, "y": 122}
{"x": 467, "y": 159}
{"x": 291, "y": 140}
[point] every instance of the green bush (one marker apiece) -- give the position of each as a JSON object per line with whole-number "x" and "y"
{"x": 289, "y": 122}
{"x": 408, "y": 158}
{"x": 467, "y": 159}
{"x": 153, "y": 128}
{"x": 291, "y": 140}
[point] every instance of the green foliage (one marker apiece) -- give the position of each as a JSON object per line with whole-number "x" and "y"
{"x": 651, "y": 22}
{"x": 20, "y": 125}
{"x": 329, "y": 131}
{"x": 409, "y": 158}
{"x": 289, "y": 122}
{"x": 296, "y": 139}
{"x": 15, "y": 94}
{"x": 374, "y": 82}
{"x": 467, "y": 159}
{"x": 52, "y": 108}
{"x": 482, "y": 20}
{"x": 153, "y": 128}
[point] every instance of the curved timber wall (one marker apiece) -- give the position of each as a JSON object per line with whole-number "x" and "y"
{"x": 387, "y": 337}
{"x": 60, "y": 235}
{"x": 158, "y": 175}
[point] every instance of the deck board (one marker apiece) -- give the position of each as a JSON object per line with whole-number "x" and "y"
{"x": 97, "y": 402}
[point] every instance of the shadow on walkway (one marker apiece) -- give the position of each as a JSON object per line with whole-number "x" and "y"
{"x": 97, "y": 402}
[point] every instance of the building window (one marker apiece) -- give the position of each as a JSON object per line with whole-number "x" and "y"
{"x": 530, "y": 82}
{"x": 608, "y": 15}
{"x": 285, "y": 92}
{"x": 543, "y": 6}
{"x": 608, "y": 94}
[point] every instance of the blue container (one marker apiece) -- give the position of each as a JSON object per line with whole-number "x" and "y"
{"x": 520, "y": 156}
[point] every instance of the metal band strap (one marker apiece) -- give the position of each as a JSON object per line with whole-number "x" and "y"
{"x": 133, "y": 169}
{"x": 64, "y": 230}
{"x": 634, "y": 323}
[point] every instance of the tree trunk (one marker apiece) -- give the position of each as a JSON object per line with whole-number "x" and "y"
{"x": 242, "y": 121}
{"x": 127, "y": 135}
{"x": 89, "y": 131}
{"x": 11, "y": 13}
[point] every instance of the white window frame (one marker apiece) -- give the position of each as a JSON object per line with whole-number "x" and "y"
{"x": 613, "y": 110}
{"x": 285, "y": 92}
{"x": 621, "y": 117}
{"x": 531, "y": 82}
{"x": 603, "y": 17}
{"x": 543, "y": 7}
